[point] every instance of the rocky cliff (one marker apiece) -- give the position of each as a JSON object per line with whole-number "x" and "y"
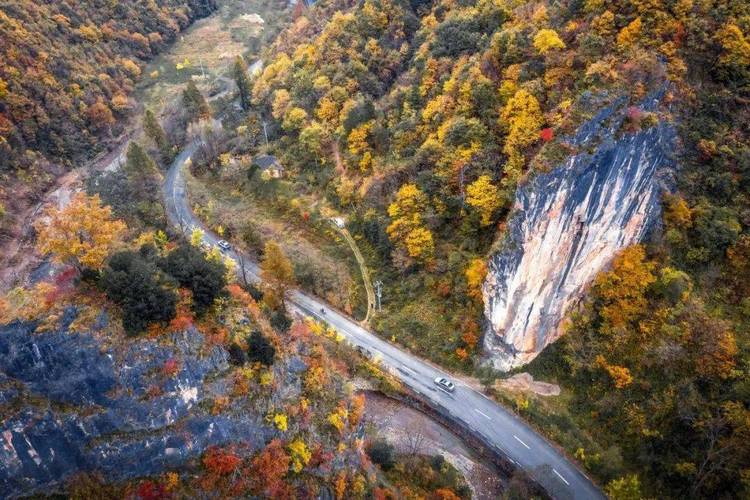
{"x": 567, "y": 226}
{"x": 70, "y": 405}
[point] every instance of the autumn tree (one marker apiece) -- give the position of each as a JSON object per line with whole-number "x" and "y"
{"x": 243, "y": 82}
{"x": 475, "y": 273}
{"x": 276, "y": 270}
{"x": 546, "y": 40}
{"x": 100, "y": 115}
{"x": 622, "y": 289}
{"x": 630, "y": 34}
{"x": 522, "y": 117}
{"x": 484, "y": 196}
{"x": 407, "y": 222}
{"x": 155, "y": 132}
{"x": 82, "y": 234}
{"x": 269, "y": 468}
{"x": 626, "y": 488}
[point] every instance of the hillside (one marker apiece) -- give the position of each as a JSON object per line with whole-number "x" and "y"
{"x": 67, "y": 74}
{"x": 418, "y": 122}
{"x": 558, "y": 188}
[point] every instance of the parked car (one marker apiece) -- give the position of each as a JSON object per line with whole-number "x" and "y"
{"x": 445, "y": 384}
{"x": 224, "y": 245}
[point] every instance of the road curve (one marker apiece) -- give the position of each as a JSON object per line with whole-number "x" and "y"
{"x": 490, "y": 422}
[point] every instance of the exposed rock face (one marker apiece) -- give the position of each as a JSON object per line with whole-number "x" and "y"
{"x": 567, "y": 226}
{"x": 67, "y": 406}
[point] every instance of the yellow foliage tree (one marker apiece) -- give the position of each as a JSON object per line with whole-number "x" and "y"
{"x": 523, "y": 118}
{"x": 546, "y": 40}
{"x": 406, "y": 228}
{"x": 630, "y": 34}
{"x": 338, "y": 418}
{"x": 82, "y": 234}
{"x": 620, "y": 375}
{"x": 357, "y": 140}
{"x": 280, "y": 421}
{"x": 736, "y": 46}
{"x": 294, "y": 119}
{"x": 281, "y": 102}
{"x": 300, "y": 455}
{"x": 419, "y": 243}
{"x": 484, "y": 196}
{"x": 276, "y": 269}
{"x": 622, "y": 289}
{"x": 475, "y": 274}
{"x": 196, "y": 237}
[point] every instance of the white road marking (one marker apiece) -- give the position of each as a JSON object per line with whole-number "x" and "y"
{"x": 563, "y": 479}
{"x": 519, "y": 440}
{"x": 482, "y": 413}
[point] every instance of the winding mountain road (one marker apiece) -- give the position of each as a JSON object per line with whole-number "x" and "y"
{"x": 493, "y": 424}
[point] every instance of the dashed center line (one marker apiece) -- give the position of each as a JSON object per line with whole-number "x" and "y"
{"x": 482, "y": 413}
{"x": 519, "y": 440}
{"x": 560, "y": 476}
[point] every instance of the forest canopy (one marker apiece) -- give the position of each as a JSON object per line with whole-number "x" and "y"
{"x": 67, "y": 68}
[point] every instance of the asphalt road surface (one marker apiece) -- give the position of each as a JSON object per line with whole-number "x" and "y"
{"x": 492, "y": 423}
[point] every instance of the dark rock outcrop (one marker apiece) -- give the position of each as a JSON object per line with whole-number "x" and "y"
{"x": 69, "y": 406}
{"x": 567, "y": 226}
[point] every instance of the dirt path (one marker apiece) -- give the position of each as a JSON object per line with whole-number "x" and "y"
{"x": 363, "y": 269}
{"x": 411, "y": 431}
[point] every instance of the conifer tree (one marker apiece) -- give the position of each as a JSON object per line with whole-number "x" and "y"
{"x": 156, "y": 133}
{"x": 243, "y": 82}
{"x": 195, "y": 105}
{"x": 139, "y": 165}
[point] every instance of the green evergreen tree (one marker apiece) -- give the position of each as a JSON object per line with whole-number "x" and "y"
{"x": 195, "y": 104}
{"x": 132, "y": 280}
{"x": 243, "y": 82}
{"x": 155, "y": 132}
{"x": 139, "y": 165}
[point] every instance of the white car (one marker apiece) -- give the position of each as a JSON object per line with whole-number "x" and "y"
{"x": 445, "y": 384}
{"x": 224, "y": 245}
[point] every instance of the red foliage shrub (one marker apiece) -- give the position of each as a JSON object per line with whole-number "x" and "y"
{"x": 150, "y": 490}
{"x": 546, "y": 134}
{"x": 220, "y": 462}
{"x": 171, "y": 367}
{"x": 180, "y": 323}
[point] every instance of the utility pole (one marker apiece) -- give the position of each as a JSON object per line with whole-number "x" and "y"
{"x": 265, "y": 132}
{"x": 379, "y": 293}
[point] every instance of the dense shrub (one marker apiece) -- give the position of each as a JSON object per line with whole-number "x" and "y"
{"x": 134, "y": 282}
{"x": 382, "y": 453}
{"x": 204, "y": 277}
{"x": 259, "y": 349}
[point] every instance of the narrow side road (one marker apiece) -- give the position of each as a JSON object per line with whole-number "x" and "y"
{"x": 490, "y": 422}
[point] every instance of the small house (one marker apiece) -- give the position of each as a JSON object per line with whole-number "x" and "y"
{"x": 270, "y": 166}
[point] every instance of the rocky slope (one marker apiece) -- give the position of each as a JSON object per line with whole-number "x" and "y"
{"x": 569, "y": 224}
{"x": 70, "y": 406}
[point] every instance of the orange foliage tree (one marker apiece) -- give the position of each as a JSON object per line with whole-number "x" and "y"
{"x": 82, "y": 234}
